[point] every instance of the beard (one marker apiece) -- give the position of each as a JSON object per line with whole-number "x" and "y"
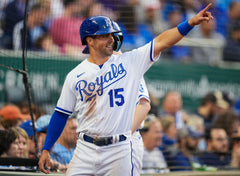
{"x": 191, "y": 148}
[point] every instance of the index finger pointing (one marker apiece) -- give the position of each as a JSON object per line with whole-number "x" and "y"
{"x": 206, "y": 8}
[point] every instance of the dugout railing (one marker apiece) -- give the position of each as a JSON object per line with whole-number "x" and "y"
{"x": 216, "y": 173}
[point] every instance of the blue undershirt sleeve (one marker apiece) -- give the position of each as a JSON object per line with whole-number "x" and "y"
{"x": 55, "y": 128}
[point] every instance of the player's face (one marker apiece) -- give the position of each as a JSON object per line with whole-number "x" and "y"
{"x": 104, "y": 44}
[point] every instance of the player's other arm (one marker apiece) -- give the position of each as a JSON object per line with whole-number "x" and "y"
{"x": 140, "y": 113}
{"x": 55, "y": 128}
{"x": 174, "y": 35}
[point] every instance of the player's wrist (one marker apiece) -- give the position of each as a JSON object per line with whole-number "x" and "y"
{"x": 45, "y": 149}
{"x": 184, "y": 28}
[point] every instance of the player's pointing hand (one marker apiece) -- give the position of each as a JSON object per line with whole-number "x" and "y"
{"x": 203, "y": 15}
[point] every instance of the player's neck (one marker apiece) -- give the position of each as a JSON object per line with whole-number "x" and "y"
{"x": 98, "y": 60}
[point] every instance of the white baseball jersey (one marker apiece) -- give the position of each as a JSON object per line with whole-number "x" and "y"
{"x": 137, "y": 143}
{"x": 105, "y": 98}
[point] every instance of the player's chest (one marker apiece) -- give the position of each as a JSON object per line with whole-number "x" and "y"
{"x": 96, "y": 81}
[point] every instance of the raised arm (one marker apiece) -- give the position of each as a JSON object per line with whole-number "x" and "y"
{"x": 174, "y": 35}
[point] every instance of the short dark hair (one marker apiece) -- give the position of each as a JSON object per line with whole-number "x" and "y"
{"x": 7, "y": 137}
{"x": 36, "y": 7}
{"x": 209, "y": 97}
{"x": 67, "y": 2}
{"x": 208, "y": 131}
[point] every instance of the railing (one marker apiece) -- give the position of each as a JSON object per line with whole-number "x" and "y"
{"x": 192, "y": 173}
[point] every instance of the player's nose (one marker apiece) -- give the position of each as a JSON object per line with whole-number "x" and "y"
{"x": 110, "y": 37}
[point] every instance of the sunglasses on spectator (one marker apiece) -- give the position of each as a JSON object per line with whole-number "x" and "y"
{"x": 221, "y": 139}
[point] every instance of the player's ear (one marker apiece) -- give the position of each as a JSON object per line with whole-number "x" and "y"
{"x": 89, "y": 40}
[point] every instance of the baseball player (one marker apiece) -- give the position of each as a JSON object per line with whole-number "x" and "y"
{"x": 102, "y": 90}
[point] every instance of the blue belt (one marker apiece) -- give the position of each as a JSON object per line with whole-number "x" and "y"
{"x": 101, "y": 141}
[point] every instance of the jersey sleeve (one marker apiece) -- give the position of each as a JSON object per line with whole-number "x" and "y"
{"x": 141, "y": 58}
{"x": 143, "y": 91}
{"x": 67, "y": 99}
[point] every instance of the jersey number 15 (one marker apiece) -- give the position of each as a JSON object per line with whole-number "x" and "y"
{"x": 116, "y": 97}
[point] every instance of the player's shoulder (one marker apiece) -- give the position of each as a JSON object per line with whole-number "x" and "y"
{"x": 147, "y": 47}
{"x": 81, "y": 66}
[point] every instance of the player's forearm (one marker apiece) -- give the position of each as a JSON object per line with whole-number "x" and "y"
{"x": 166, "y": 40}
{"x": 140, "y": 114}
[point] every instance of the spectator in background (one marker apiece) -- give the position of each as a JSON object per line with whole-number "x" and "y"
{"x": 68, "y": 37}
{"x": 2, "y": 120}
{"x": 205, "y": 54}
{"x": 42, "y": 123}
{"x": 224, "y": 102}
{"x": 10, "y": 143}
{"x": 12, "y": 116}
{"x": 48, "y": 5}
{"x": 231, "y": 49}
{"x": 169, "y": 138}
{"x": 23, "y": 141}
{"x": 28, "y": 127}
{"x": 235, "y": 147}
{"x": 57, "y": 8}
{"x": 185, "y": 155}
{"x": 207, "y": 109}
{"x": 190, "y": 8}
{"x": 153, "y": 159}
{"x": 224, "y": 4}
{"x": 98, "y": 8}
{"x": 236, "y": 107}
{"x": 2, "y": 141}
{"x": 233, "y": 14}
{"x": 38, "y": 14}
{"x": 154, "y": 104}
{"x": 41, "y": 126}
{"x": 148, "y": 13}
{"x": 135, "y": 34}
{"x": 65, "y": 146}
{"x": 229, "y": 121}
{"x": 12, "y": 14}
{"x": 169, "y": 6}
{"x": 172, "y": 105}
{"x": 220, "y": 15}
{"x": 3, "y": 4}
{"x": 197, "y": 124}
{"x": 178, "y": 53}
{"x": 217, "y": 154}
{"x": 37, "y": 111}
{"x": 114, "y": 5}
{"x": 45, "y": 43}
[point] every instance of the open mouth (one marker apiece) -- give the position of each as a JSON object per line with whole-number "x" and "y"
{"x": 109, "y": 46}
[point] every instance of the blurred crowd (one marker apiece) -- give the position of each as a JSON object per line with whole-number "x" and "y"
{"x": 207, "y": 138}
{"x": 53, "y": 26}
{"x": 175, "y": 139}
{"x": 21, "y": 138}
